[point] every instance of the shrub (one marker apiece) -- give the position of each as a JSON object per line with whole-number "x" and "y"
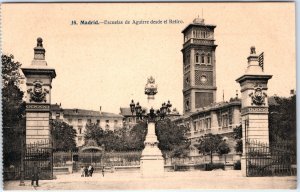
{"x": 237, "y": 165}
{"x": 212, "y": 166}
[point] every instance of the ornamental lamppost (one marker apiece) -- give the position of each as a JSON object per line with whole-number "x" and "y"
{"x": 159, "y": 113}
{"x": 137, "y": 109}
{"x": 152, "y": 161}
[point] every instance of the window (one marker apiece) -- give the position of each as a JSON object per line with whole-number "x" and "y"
{"x": 197, "y": 58}
{"x": 225, "y": 120}
{"x": 195, "y": 126}
{"x": 70, "y": 120}
{"x": 187, "y": 80}
{"x": 187, "y": 105}
{"x": 208, "y": 59}
{"x": 116, "y": 121}
{"x": 79, "y": 129}
{"x": 89, "y": 121}
{"x": 79, "y": 121}
{"x": 98, "y": 121}
{"x": 57, "y": 115}
{"x": 107, "y": 121}
{"x": 202, "y": 59}
{"x": 209, "y": 123}
{"x": 79, "y": 138}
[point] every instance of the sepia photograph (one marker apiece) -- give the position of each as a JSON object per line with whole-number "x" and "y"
{"x": 148, "y": 96}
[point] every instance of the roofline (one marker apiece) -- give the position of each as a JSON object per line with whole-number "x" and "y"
{"x": 201, "y": 25}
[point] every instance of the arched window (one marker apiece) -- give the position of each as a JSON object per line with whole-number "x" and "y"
{"x": 208, "y": 59}
{"x": 197, "y": 58}
{"x": 187, "y": 105}
{"x": 202, "y": 59}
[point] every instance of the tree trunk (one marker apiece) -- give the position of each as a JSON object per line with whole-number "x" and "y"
{"x": 211, "y": 158}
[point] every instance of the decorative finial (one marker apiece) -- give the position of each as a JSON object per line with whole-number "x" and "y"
{"x": 151, "y": 87}
{"x": 39, "y": 51}
{"x": 39, "y": 42}
{"x": 252, "y": 50}
{"x": 199, "y": 20}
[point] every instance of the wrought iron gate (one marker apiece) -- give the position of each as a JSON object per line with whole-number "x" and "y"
{"x": 39, "y": 154}
{"x": 275, "y": 159}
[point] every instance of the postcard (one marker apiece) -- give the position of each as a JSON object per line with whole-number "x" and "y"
{"x": 139, "y": 96}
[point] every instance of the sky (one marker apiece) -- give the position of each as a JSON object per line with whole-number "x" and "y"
{"x": 108, "y": 65}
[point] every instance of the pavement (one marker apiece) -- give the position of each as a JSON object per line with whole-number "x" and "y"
{"x": 219, "y": 179}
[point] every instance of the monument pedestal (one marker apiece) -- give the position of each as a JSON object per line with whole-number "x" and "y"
{"x": 152, "y": 161}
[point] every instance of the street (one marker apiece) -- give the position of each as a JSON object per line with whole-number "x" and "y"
{"x": 218, "y": 179}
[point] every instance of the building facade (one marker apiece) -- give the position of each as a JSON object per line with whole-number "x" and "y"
{"x": 218, "y": 118}
{"x": 79, "y": 118}
{"x": 201, "y": 113}
{"x": 199, "y": 66}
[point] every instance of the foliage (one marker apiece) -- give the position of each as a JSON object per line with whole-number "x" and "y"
{"x": 136, "y": 136}
{"x": 223, "y": 148}
{"x": 10, "y": 70}
{"x": 13, "y": 108}
{"x": 237, "y": 165}
{"x": 107, "y": 138}
{"x": 282, "y": 119}
{"x": 63, "y": 136}
{"x": 212, "y": 166}
{"x": 237, "y": 132}
{"x": 211, "y": 143}
{"x": 239, "y": 146}
{"x": 172, "y": 138}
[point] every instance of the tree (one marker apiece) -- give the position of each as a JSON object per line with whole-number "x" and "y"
{"x": 211, "y": 143}
{"x": 237, "y": 133}
{"x": 13, "y": 109}
{"x": 106, "y": 138}
{"x": 282, "y": 119}
{"x": 172, "y": 138}
{"x": 137, "y": 136}
{"x": 63, "y": 136}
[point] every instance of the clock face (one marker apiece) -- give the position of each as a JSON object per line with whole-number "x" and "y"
{"x": 203, "y": 79}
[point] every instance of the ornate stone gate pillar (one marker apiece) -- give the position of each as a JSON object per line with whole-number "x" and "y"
{"x": 254, "y": 110}
{"x": 38, "y": 82}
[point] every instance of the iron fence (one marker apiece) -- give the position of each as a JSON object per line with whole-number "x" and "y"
{"x": 39, "y": 154}
{"x": 275, "y": 159}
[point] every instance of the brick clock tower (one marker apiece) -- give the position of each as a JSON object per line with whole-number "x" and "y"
{"x": 199, "y": 66}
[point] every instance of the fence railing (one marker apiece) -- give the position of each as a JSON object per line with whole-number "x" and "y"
{"x": 274, "y": 159}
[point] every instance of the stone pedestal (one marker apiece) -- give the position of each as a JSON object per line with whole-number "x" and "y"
{"x": 152, "y": 161}
{"x": 38, "y": 83}
{"x": 255, "y": 107}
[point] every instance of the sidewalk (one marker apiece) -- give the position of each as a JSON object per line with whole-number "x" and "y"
{"x": 172, "y": 180}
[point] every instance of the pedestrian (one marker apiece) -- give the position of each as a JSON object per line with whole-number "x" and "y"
{"x": 35, "y": 174}
{"x": 89, "y": 170}
{"x": 92, "y": 170}
{"x": 86, "y": 171}
{"x": 82, "y": 171}
{"x": 103, "y": 171}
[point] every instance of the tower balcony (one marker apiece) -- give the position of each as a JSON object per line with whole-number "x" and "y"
{"x": 193, "y": 41}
